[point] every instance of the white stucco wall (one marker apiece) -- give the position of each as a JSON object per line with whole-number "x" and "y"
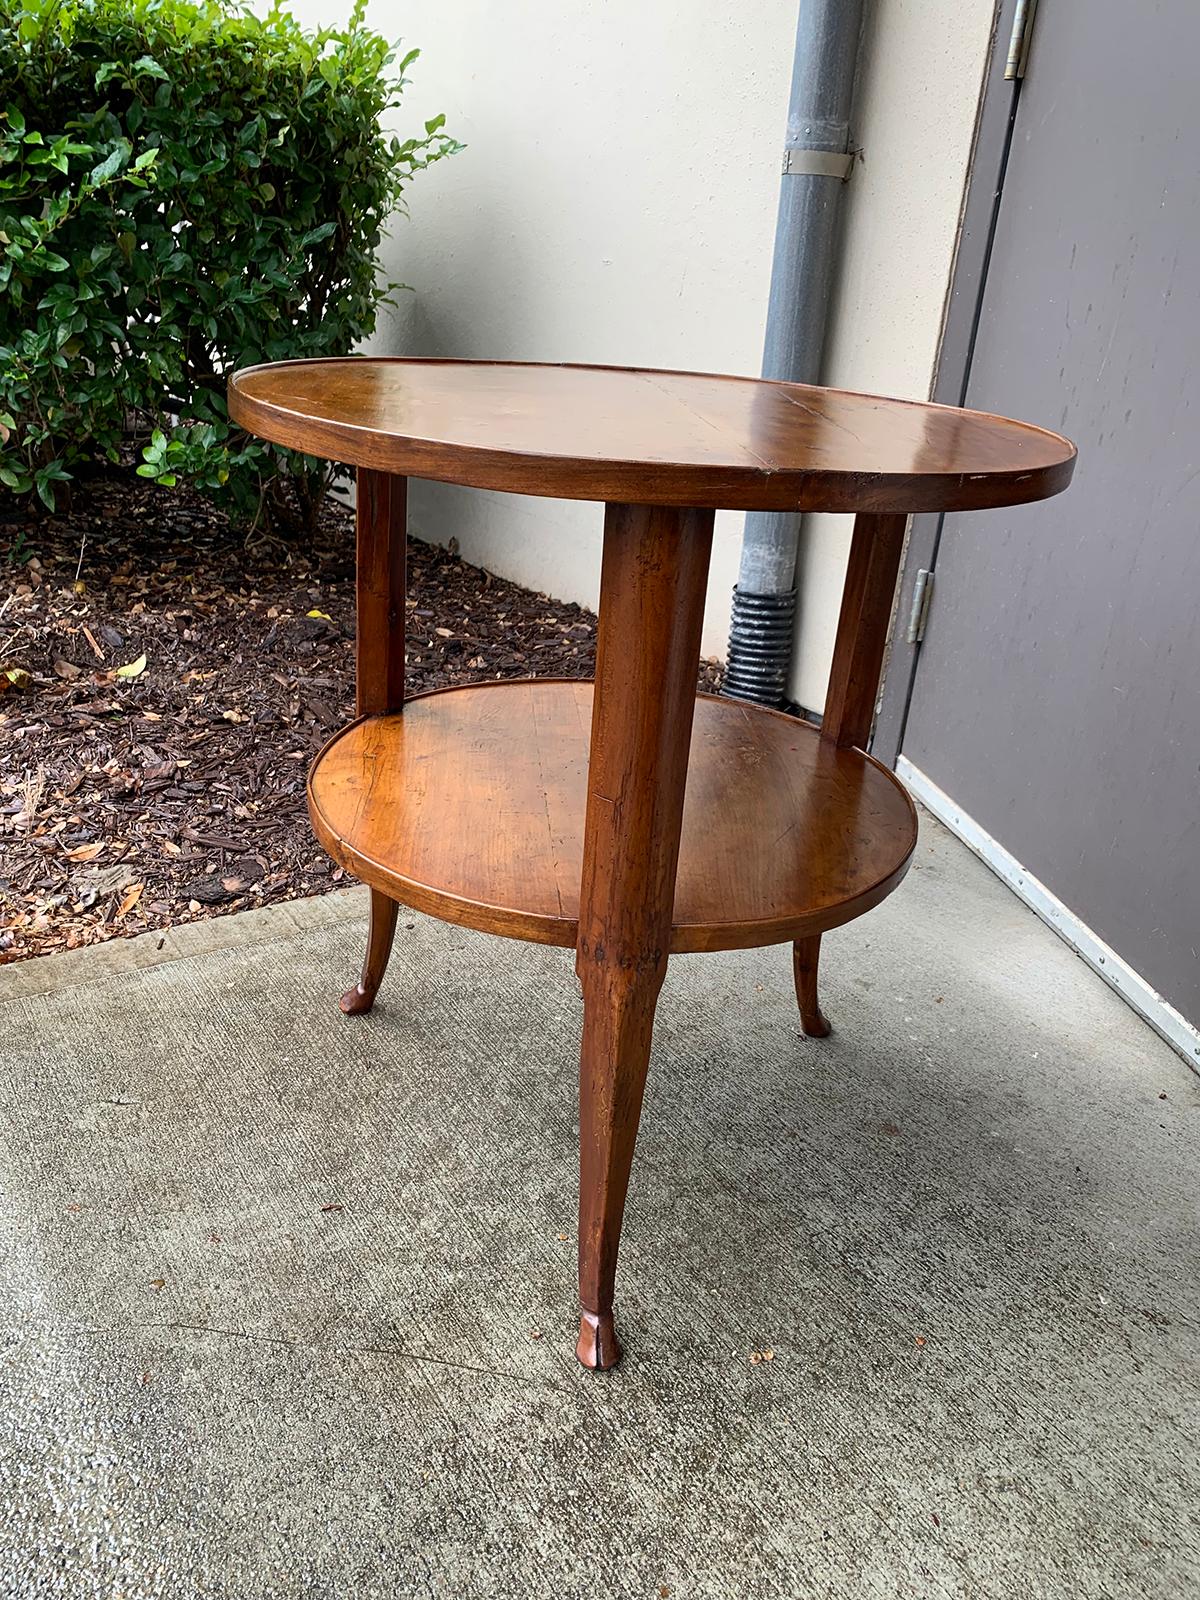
{"x": 616, "y": 203}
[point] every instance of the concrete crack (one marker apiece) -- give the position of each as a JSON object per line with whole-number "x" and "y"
{"x": 362, "y": 1350}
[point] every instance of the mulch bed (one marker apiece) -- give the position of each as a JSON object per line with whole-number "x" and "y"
{"x": 165, "y": 682}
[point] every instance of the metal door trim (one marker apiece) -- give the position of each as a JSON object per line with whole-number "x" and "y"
{"x": 964, "y": 300}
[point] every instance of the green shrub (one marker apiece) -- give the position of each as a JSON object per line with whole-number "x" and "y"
{"x": 184, "y": 189}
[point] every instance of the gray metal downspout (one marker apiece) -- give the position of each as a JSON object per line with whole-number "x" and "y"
{"x": 815, "y": 166}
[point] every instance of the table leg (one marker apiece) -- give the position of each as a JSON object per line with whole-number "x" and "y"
{"x": 858, "y": 652}
{"x": 806, "y": 954}
{"x": 653, "y": 581}
{"x": 382, "y": 531}
{"x": 379, "y": 947}
{"x": 862, "y": 632}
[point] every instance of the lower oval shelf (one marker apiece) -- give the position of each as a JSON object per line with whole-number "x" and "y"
{"x": 470, "y": 803}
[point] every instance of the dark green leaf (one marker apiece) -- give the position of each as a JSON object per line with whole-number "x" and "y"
{"x": 111, "y": 165}
{"x": 146, "y": 66}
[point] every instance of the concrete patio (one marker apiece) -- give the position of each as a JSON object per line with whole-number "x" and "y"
{"x": 289, "y": 1296}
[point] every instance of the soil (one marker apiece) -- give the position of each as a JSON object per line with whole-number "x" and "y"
{"x": 165, "y": 682}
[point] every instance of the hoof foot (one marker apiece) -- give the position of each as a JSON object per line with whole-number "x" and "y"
{"x": 356, "y": 1000}
{"x": 816, "y": 1027}
{"x": 598, "y": 1348}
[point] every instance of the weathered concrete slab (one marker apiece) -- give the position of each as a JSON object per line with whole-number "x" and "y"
{"x": 272, "y": 1277}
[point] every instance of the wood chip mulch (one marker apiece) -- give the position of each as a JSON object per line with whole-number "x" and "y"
{"x": 164, "y": 684}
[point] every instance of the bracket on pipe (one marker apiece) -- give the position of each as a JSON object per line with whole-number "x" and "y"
{"x": 817, "y": 163}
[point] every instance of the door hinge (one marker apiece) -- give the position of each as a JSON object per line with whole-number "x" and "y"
{"x": 1019, "y": 40}
{"x": 919, "y": 615}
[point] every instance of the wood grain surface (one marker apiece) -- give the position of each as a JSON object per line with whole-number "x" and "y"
{"x": 470, "y": 805}
{"x": 653, "y": 579}
{"x": 654, "y": 438}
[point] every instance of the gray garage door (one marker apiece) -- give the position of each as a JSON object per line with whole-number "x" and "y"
{"x": 1056, "y": 696}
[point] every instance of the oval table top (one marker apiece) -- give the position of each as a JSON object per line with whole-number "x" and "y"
{"x": 650, "y": 438}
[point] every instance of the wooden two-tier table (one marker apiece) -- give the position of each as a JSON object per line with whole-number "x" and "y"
{"x": 630, "y": 819}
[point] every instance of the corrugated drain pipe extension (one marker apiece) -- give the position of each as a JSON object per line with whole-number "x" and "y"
{"x": 816, "y": 164}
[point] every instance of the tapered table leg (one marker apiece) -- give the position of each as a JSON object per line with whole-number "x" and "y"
{"x": 382, "y": 538}
{"x": 652, "y": 589}
{"x": 806, "y": 956}
{"x": 862, "y": 631}
{"x": 379, "y": 948}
